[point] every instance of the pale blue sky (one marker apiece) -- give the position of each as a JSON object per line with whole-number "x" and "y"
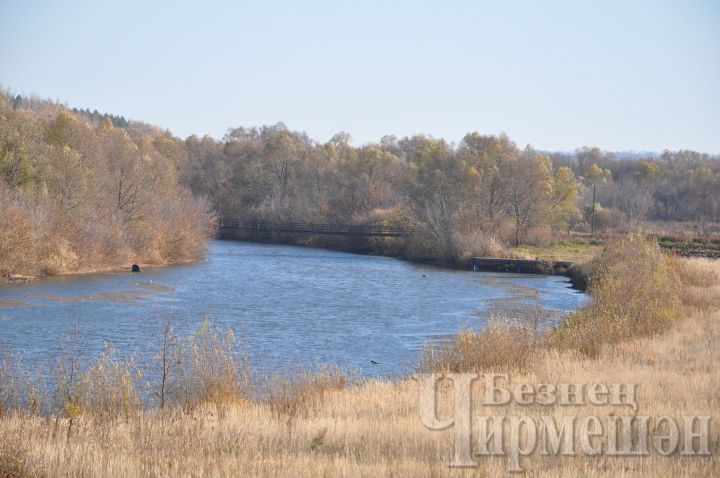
{"x": 641, "y": 75}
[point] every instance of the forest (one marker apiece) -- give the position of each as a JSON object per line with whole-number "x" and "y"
{"x": 82, "y": 190}
{"x": 82, "y": 195}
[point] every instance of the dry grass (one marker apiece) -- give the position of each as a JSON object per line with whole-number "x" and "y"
{"x": 374, "y": 430}
{"x": 635, "y": 293}
{"x": 12, "y": 459}
{"x": 498, "y": 347}
{"x": 318, "y": 427}
{"x": 702, "y": 280}
{"x": 304, "y": 392}
{"x": 563, "y": 250}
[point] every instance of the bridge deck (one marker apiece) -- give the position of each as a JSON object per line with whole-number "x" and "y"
{"x": 377, "y": 230}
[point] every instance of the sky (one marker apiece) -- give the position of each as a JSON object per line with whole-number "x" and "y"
{"x": 621, "y": 75}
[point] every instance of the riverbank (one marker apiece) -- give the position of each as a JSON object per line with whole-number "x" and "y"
{"x": 117, "y": 269}
{"x": 534, "y": 260}
{"x": 322, "y": 426}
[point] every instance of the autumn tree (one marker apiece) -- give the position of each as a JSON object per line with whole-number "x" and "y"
{"x": 79, "y": 193}
{"x": 488, "y": 157}
{"x": 564, "y": 197}
{"x": 438, "y": 186}
{"x": 529, "y": 189}
{"x": 587, "y": 156}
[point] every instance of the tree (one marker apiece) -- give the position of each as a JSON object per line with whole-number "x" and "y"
{"x": 16, "y": 150}
{"x": 68, "y": 178}
{"x": 635, "y": 200}
{"x": 564, "y": 195}
{"x": 705, "y": 197}
{"x": 77, "y": 192}
{"x": 15, "y": 166}
{"x": 488, "y": 156}
{"x": 169, "y": 359}
{"x": 587, "y": 156}
{"x": 437, "y": 189}
{"x": 529, "y": 186}
{"x": 596, "y": 175}
{"x": 128, "y": 176}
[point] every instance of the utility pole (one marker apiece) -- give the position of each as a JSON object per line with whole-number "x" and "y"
{"x": 592, "y": 217}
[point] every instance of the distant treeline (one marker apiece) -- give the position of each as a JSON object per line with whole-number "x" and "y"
{"x": 119, "y": 188}
{"x": 475, "y": 197}
{"x": 672, "y": 186}
{"x": 97, "y": 118}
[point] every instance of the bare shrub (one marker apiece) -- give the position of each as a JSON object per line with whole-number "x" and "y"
{"x": 107, "y": 388}
{"x": 608, "y": 219}
{"x": 192, "y": 226}
{"x": 496, "y": 347}
{"x": 9, "y": 390}
{"x": 16, "y": 235}
{"x": 475, "y": 243}
{"x": 541, "y": 236}
{"x": 20, "y": 390}
{"x": 634, "y": 291}
{"x": 200, "y": 368}
{"x": 211, "y": 371}
{"x": 169, "y": 360}
{"x": 67, "y": 374}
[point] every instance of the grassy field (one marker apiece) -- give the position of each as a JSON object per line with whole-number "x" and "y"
{"x": 583, "y": 250}
{"x": 323, "y": 427}
{"x": 573, "y": 251}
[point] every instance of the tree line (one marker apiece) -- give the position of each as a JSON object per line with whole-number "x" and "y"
{"x": 475, "y": 197}
{"x": 457, "y": 193}
{"x": 674, "y": 186}
{"x": 86, "y": 188}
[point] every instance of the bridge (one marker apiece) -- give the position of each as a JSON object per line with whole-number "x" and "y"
{"x": 367, "y": 230}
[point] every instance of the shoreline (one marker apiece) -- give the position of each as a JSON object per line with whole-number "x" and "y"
{"x": 576, "y": 274}
{"x": 20, "y": 278}
{"x": 573, "y": 274}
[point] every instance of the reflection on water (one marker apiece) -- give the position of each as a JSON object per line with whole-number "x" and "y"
{"x": 288, "y": 306}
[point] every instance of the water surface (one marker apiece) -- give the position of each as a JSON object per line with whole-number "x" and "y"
{"x": 287, "y": 306}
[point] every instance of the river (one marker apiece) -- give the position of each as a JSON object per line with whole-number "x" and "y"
{"x": 287, "y": 306}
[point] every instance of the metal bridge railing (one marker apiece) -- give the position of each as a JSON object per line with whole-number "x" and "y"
{"x": 380, "y": 230}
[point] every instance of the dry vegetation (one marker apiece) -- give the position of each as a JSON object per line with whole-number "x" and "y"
{"x": 77, "y": 195}
{"x": 635, "y": 293}
{"x": 210, "y": 424}
{"x": 80, "y": 190}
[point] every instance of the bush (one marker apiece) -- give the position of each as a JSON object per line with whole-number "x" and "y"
{"x": 497, "y": 347}
{"x": 19, "y": 389}
{"x": 475, "y": 243}
{"x": 212, "y": 373}
{"x": 634, "y": 289}
{"x": 16, "y": 234}
{"x": 580, "y": 274}
{"x": 107, "y": 388}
